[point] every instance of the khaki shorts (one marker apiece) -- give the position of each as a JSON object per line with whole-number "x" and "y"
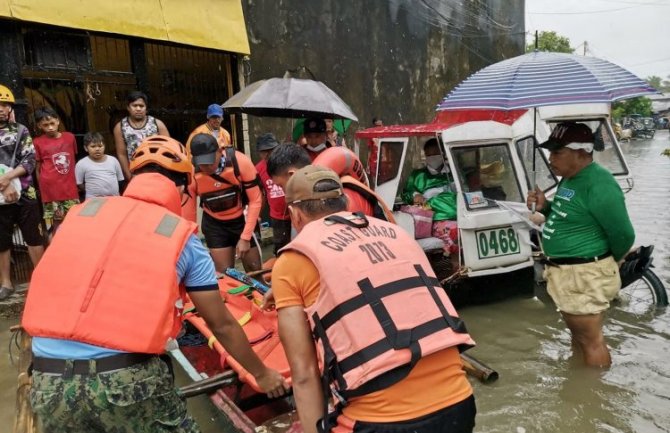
{"x": 583, "y": 289}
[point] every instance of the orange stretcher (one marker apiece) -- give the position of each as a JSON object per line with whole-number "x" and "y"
{"x": 259, "y": 326}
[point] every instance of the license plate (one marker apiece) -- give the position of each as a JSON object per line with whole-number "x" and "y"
{"x": 501, "y": 241}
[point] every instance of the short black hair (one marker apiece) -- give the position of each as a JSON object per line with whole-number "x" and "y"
{"x": 93, "y": 137}
{"x": 431, "y": 143}
{"x": 44, "y": 113}
{"x": 135, "y": 95}
{"x": 286, "y": 156}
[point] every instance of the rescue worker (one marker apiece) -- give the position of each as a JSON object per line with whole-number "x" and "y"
{"x": 227, "y": 184}
{"x": 212, "y": 126}
{"x": 98, "y": 333}
{"x": 404, "y": 373}
{"x": 289, "y": 157}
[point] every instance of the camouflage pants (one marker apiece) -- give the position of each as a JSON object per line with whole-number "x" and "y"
{"x": 136, "y": 399}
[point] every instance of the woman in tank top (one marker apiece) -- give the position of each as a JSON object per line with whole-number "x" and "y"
{"x": 134, "y": 128}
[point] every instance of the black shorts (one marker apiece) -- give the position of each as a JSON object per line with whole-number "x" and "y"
{"x": 458, "y": 418}
{"x": 223, "y": 234}
{"x": 26, "y": 214}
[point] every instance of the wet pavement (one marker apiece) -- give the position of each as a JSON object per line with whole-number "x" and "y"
{"x": 540, "y": 388}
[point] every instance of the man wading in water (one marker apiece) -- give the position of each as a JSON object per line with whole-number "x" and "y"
{"x": 586, "y": 233}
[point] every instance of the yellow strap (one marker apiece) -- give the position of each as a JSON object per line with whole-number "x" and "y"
{"x": 211, "y": 342}
{"x": 244, "y": 319}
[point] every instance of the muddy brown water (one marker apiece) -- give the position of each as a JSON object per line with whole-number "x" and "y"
{"x": 541, "y": 389}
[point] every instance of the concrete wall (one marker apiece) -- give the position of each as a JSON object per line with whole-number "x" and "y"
{"x": 389, "y": 58}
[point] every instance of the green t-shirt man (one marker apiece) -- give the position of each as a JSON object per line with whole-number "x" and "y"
{"x": 587, "y": 217}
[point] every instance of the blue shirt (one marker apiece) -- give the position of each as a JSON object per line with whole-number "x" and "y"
{"x": 195, "y": 270}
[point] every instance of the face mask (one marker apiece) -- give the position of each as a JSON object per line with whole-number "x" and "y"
{"x": 318, "y": 148}
{"x": 435, "y": 162}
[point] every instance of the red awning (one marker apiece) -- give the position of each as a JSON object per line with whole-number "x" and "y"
{"x": 443, "y": 120}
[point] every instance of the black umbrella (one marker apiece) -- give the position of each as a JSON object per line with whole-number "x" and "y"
{"x": 289, "y": 97}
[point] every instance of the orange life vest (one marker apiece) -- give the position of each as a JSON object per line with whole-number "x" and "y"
{"x": 189, "y": 208}
{"x": 223, "y": 196}
{"x": 220, "y": 198}
{"x": 379, "y": 208}
{"x": 380, "y": 307}
{"x": 109, "y": 276}
{"x": 342, "y": 161}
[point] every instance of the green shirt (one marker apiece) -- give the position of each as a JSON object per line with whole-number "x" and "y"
{"x": 443, "y": 204}
{"x": 588, "y": 217}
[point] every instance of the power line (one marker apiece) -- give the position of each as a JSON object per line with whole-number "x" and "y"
{"x": 582, "y": 13}
{"x": 652, "y": 61}
{"x": 661, "y": 3}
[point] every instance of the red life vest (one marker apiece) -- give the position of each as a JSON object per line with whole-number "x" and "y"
{"x": 380, "y": 307}
{"x": 109, "y": 276}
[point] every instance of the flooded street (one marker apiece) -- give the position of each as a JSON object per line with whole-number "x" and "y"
{"x": 540, "y": 389}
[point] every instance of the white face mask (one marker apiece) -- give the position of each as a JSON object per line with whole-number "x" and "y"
{"x": 434, "y": 162}
{"x": 318, "y": 148}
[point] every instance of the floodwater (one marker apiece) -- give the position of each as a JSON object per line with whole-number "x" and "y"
{"x": 541, "y": 389}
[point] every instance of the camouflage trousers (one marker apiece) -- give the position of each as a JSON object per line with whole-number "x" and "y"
{"x": 137, "y": 399}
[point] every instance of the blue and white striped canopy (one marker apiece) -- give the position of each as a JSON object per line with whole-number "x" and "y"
{"x": 540, "y": 78}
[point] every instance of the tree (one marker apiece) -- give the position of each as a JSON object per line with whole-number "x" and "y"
{"x": 640, "y": 105}
{"x": 550, "y": 41}
{"x": 658, "y": 83}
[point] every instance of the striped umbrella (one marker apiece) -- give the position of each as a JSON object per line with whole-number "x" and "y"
{"x": 540, "y": 78}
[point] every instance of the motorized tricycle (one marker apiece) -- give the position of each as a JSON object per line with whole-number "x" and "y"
{"x": 490, "y": 155}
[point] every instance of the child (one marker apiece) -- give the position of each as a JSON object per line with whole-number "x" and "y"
{"x": 54, "y": 154}
{"x": 99, "y": 174}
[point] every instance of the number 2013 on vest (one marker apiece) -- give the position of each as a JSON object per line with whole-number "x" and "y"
{"x": 377, "y": 252}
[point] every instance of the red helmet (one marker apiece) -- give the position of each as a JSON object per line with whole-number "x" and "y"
{"x": 165, "y": 152}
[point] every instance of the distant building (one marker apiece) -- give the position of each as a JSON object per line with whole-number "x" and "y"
{"x": 660, "y": 104}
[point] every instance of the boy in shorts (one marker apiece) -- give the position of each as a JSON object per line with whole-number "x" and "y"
{"x": 55, "y": 153}
{"x": 99, "y": 175}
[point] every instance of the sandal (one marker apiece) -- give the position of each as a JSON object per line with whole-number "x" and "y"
{"x": 6, "y": 292}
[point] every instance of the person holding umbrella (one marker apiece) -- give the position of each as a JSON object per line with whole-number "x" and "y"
{"x": 587, "y": 231}
{"x": 316, "y": 137}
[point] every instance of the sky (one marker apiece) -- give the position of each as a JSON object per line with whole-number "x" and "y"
{"x": 634, "y": 34}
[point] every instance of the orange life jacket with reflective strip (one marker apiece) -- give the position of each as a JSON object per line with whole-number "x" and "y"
{"x": 109, "y": 276}
{"x": 380, "y": 307}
